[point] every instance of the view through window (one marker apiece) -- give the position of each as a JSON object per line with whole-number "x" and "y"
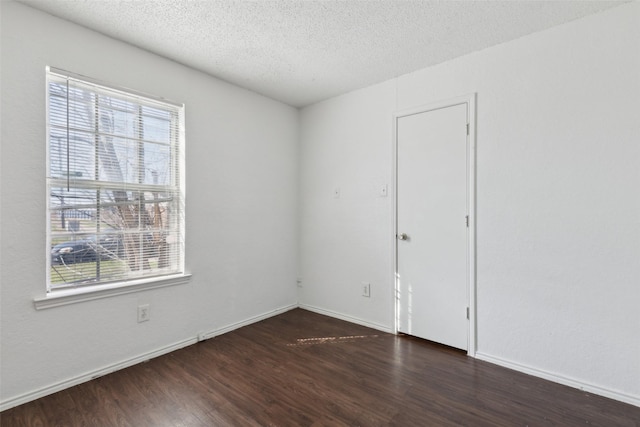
{"x": 115, "y": 190}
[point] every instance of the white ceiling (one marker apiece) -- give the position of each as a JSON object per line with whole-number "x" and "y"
{"x": 301, "y": 52}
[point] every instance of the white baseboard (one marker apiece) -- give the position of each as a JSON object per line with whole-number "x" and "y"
{"x": 223, "y": 330}
{"x": 45, "y": 391}
{"x": 344, "y": 317}
{"x": 590, "y": 388}
{"x": 36, "y": 394}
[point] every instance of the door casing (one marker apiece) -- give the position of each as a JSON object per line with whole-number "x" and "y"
{"x": 470, "y": 102}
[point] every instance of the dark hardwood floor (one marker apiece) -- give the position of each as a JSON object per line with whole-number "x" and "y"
{"x": 304, "y": 369}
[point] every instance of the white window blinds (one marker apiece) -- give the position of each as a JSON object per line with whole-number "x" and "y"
{"x": 115, "y": 184}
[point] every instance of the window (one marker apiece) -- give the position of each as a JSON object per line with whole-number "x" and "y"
{"x": 115, "y": 185}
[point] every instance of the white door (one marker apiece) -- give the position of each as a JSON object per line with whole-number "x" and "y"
{"x": 432, "y": 227}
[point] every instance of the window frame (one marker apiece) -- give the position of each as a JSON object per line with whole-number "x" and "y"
{"x": 68, "y": 293}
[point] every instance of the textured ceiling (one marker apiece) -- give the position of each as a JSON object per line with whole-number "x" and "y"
{"x": 301, "y": 52}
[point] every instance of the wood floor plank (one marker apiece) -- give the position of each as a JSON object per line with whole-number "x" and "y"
{"x": 305, "y": 369}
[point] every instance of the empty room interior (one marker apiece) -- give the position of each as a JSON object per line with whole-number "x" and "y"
{"x": 304, "y": 175}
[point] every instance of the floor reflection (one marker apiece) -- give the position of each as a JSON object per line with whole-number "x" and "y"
{"x": 329, "y": 340}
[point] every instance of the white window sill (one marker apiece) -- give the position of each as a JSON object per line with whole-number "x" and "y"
{"x": 72, "y": 296}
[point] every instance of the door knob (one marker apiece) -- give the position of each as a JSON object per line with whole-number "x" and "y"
{"x": 403, "y": 236}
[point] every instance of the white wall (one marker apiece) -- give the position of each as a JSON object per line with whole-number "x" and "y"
{"x": 241, "y": 210}
{"x": 558, "y": 235}
{"x": 345, "y": 241}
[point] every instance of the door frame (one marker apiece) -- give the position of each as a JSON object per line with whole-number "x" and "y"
{"x": 470, "y": 101}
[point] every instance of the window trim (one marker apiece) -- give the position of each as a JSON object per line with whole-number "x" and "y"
{"x": 74, "y": 294}
{"x": 81, "y": 294}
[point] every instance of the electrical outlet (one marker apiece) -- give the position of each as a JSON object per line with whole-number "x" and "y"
{"x": 143, "y": 313}
{"x": 366, "y": 289}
